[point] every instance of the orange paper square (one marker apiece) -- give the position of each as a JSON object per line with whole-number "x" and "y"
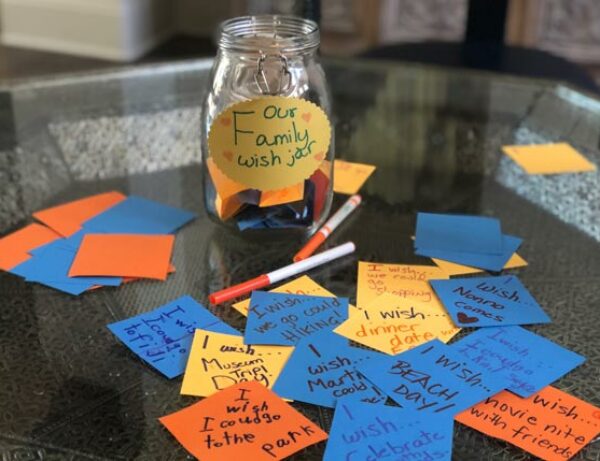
{"x": 66, "y": 219}
{"x": 225, "y": 186}
{"x": 349, "y": 177}
{"x": 452, "y": 269}
{"x": 245, "y": 421}
{"x": 549, "y": 158}
{"x": 14, "y": 248}
{"x": 551, "y": 424}
{"x": 279, "y": 196}
{"x": 123, "y": 255}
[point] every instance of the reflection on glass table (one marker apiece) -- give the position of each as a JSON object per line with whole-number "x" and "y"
{"x": 69, "y": 390}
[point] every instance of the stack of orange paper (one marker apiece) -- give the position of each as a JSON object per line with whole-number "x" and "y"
{"x": 101, "y": 240}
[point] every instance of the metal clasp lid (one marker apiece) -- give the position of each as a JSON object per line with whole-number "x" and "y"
{"x": 264, "y": 84}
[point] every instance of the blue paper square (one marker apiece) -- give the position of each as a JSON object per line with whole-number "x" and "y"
{"x": 322, "y": 369}
{"x": 163, "y": 336}
{"x": 137, "y": 215}
{"x": 284, "y": 319}
{"x": 461, "y": 233}
{"x": 361, "y": 431}
{"x": 488, "y": 301}
{"x": 51, "y": 267}
{"x": 71, "y": 243}
{"x": 528, "y": 361}
{"x": 432, "y": 379}
{"x": 489, "y": 262}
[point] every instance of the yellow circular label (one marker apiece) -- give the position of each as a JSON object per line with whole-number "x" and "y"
{"x": 271, "y": 142}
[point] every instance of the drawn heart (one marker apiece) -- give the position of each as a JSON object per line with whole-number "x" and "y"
{"x": 306, "y": 116}
{"x": 464, "y": 318}
{"x": 320, "y": 156}
{"x": 228, "y": 155}
{"x": 225, "y": 121}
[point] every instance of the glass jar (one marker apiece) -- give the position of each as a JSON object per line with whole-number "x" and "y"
{"x": 267, "y": 143}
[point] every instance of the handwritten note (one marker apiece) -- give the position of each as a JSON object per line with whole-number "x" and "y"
{"x": 392, "y": 324}
{"x": 270, "y": 142}
{"x": 406, "y": 281}
{"x": 432, "y": 379}
{"x": 551, "y": 424}
{"x": 489, "y": 301}
{"x": 361, "y": 431}
{"x": 220, "y": 360}
{"x": 301, "y": 286}
{"x": 322, "y": 369}
{"x": 452, "y": 269}
{"x": 284, "y": 319}
{"x": 163, "y": 337}
{"x": 349, "y": 177}
{"x": 528, "y": 361}
{"x": 246, "y": 421}
{"x": 549, "y": 158}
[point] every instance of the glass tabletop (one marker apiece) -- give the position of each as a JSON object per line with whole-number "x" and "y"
{"x": 69, "y": 390}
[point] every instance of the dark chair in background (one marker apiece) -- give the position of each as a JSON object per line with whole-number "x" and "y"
{"x": 484, "y": 48}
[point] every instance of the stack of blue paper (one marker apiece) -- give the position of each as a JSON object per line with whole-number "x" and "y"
{"x": 469, "y": 240}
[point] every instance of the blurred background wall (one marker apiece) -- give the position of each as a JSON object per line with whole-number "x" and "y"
{"x": 126, "y": 30}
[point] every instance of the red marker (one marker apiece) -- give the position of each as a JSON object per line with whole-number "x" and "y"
{"x": 280, "y": 274}
{"x": 324, "y": 232}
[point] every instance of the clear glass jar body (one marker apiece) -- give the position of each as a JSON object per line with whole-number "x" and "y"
{"x": 268, "y": 56}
